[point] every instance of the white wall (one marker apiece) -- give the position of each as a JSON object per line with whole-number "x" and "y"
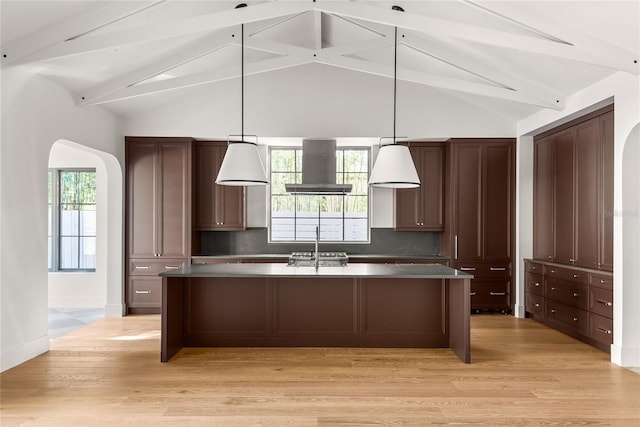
{"x": 35, "y": 114}
{"x": 83, "y": 289}
{"x": 624, "y": 90}
{"x": 318, "y": 100}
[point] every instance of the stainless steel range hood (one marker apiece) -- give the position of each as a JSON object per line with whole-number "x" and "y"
{"x": 318, "y": 169}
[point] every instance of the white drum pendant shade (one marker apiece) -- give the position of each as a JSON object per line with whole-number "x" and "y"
{"x": 242, "y": 165}
{"x": 394, "y": 168}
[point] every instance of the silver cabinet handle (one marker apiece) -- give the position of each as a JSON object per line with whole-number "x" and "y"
{"x": 553, "y": 310}
{"x": 575, "y": 319}
{"x": 604, "y": 331}
{"x": 575, "y": 294}
{"x": 550, "y": 257}
{"x": 171, "y": 267}
{"x": 537, "y": 305}
{"x": 455, "y": 247}
{"x": 143, "y": 291}
{"x": 575, "y": 276}
{"x": 537, "y": 284}
{"x": 497, "y": 294}
{"x": 467, "y": 268}
{"x": 473, "y": 293}
{"x": 603, "y": 302}
{"x": 553, "y": 271}
{"x": 143, "y": 267}
{"x": 498, "y": 268}
{"x": 572, "y": 260}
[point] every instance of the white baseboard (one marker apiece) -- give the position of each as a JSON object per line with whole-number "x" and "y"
{"x": 628, "y": 357}
{"x": 114, "y": 310}
{"x": 23, "y": 352}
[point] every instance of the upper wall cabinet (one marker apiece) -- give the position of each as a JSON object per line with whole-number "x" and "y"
{"x": 158, "y": 199}
{"x": 573, "y": 193}
{"x": 422, "y": 208}
{"x": 216, "y": 207}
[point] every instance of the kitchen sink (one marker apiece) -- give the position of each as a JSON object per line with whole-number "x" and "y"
{"x": 325, "y": 259}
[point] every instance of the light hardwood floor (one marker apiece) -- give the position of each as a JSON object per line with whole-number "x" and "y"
{"x": 522, "y": 374}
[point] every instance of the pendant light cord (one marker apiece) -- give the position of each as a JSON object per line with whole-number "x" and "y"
{"x": 242, "y": 81}
{"x": 395, "y": 72}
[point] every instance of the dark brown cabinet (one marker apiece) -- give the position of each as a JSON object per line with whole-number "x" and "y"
{"x": 480, "y": 194}
{"x": 217, "y": 207}
{"x": 573, "y": 186}
{"x": 573, "y": 300}
{"x": 422, "y": 208}
{"x": 158, "y": 182}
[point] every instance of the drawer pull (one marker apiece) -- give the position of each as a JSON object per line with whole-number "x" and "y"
{"x": 473, "y": 293}
{"x": 553, "y": 310}
{"x": 603, "y": 302}
{"x": 553, "y": 288}
{"x": 537, "y": 284}
{"x": 575, "y": 294}
{"x": 498, "y": 268}
{"x": 143, "y": 267}
{"x": 553, "y": 271}
{"x": 468, "y": 268}
{"x": 572, "y": 260}
{"x": 575, "y": 319}
{"x": 533, "y": 267}
{"x": 602, "y": 281}
{"x": 575, "y": 276}
{"x": 171, "y": 267}
{"x": 497, "y": 294}
{"x": 604, "y": 331}
{"x": 143, "y": 291}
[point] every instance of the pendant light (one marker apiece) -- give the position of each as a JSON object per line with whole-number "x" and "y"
{"x": 241, "y": 165}
{"x": 394, "y": 167}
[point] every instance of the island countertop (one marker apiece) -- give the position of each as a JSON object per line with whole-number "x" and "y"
{"x": 405, "y": 271}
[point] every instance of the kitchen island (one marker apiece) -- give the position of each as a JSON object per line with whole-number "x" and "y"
{"x": 276, "y": 305}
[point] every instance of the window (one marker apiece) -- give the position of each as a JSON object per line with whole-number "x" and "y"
{"x": 72, "y": 220}
{"x": 340, "y": 218}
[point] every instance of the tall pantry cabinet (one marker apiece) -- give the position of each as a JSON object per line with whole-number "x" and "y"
{"x": 569, "y": 281}
{"x": 158, "y": 216}
{"x": 479, "y": 229}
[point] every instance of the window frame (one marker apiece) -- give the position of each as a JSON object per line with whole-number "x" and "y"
{"x": 54, "y": 226}
{"x": 269, "y": 196}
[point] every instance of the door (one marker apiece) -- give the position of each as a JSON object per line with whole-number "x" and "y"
{"x": 587, "y": 220}
{"x": 142, "y": 214}
{"x": 467, "y": 195}
{"x": 497, "y": 200}
{"x": 564, "y": 197}
{"x": 605, "y": 198}
{"x": 543, "y": 185}
{"x": 173, "y": 199}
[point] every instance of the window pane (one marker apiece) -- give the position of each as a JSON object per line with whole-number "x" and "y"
{"x": 88, "y": 220}
{"x": 283, "y": 160}
{"x": 87, "y": 187}
{"x": 356, "y": 206}
{"x": 306, "y": 226}
{"x": 360, "y": 183}
{"x": 282, "y": 228}
{"x": 355, "y": 230}
{"x": 68, "y": 252}
{"x": 69, "y": 217}
{"x": 283, "y": 206}
{"x": 330, "y": 228}
{"x": 88, "y": 253}
{"x": 278, "y": 180}
{"x": 356, "y": 160}
{"x": 68, "y": 187}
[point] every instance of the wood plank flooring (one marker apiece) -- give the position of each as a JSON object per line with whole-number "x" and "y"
{"x": 522, "y": 374}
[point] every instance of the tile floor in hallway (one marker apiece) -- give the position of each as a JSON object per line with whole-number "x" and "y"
{"x": 65, "y": 320}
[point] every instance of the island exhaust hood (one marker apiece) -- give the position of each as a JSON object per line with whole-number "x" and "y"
{"x": 318, "y": 169}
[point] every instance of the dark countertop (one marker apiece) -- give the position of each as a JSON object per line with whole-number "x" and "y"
{"x": 424, "y": 271}
{"x": 354, "y": 256}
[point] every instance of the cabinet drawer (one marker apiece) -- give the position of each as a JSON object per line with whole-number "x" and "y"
{"x": 145, "y": 291}
{"x": 600, "y": 329}
{"x": 573, "y": 318}
{"x": 534, "y": 283}
{"x": 494, "y": 269}
{"x": 571, "y": 293}
{"x": 532, "y": 267}
{"x": 601, "y": 280}
{"x": 490, "y": 295}
{"x": 152, "y": 267}
{"x": 566, "y": 274}
{"x": 534, "y": 304}
{"x": 601, "y": 301}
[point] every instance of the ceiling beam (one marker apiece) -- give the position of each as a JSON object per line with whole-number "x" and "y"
{"x": 179, "y": 27}
{"x": 473, "y": 33}
{"x": 439, "y": 82}
{"x": 17, "y": 51}
{"x": 489, "y": 69}
{"x": 612, "y": 55}
{"x": 212, "y": 76}
{"x": 202, "y": 47}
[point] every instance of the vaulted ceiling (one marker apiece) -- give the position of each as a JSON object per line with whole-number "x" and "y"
{"x": 529, "y": 55}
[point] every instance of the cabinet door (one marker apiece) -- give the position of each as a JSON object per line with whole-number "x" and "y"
{"x": 497, "y": 201}
{"x": 586, "y": 193}
{"x": 422, "y": 208}
{"x": 467, "y": 196}
{"x": 564, "y": 197}
{"x": 543, "y": 185}
{"x": 142, "y": 213}
{"x": 173, "y": 199}
{"x": 217, "y": 207}
{"x": 431, "y": 188}
{"x": 605, "y": 208}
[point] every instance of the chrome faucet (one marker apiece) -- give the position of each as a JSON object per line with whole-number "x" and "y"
{"x": 317, "y": 256}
